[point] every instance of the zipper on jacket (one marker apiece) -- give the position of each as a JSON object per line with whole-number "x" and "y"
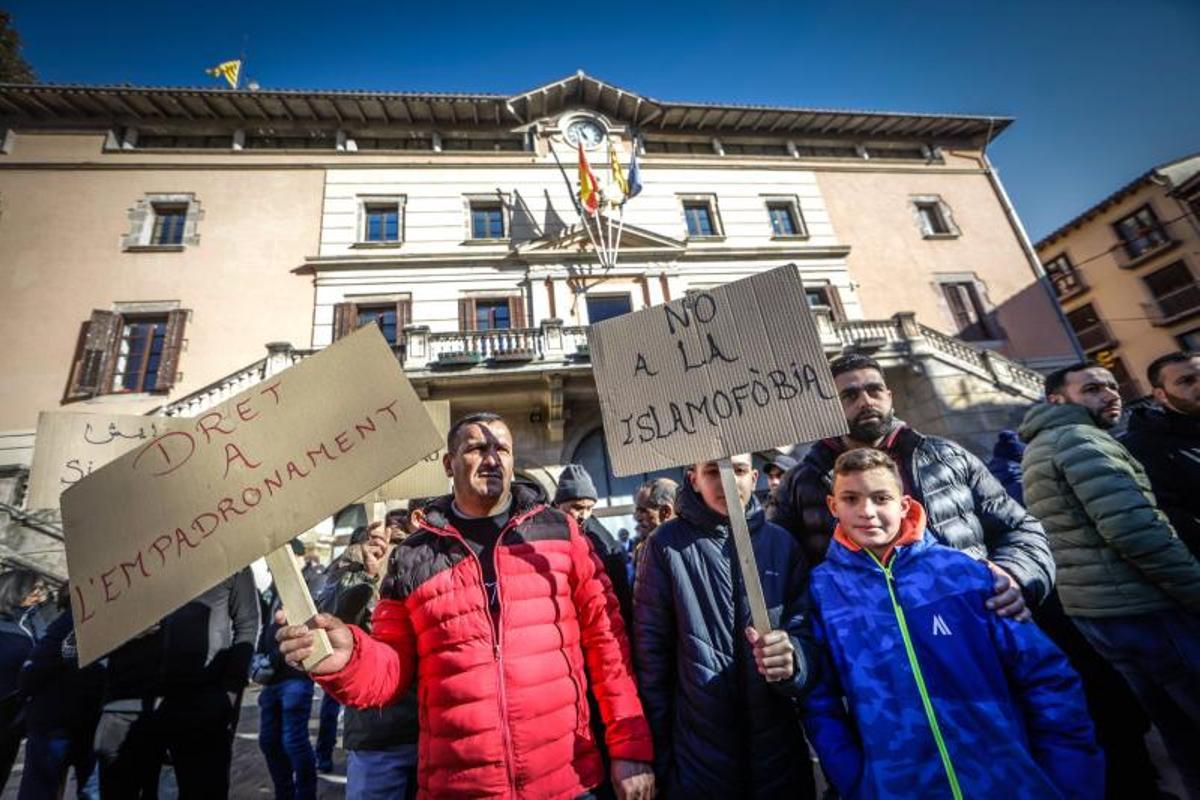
{"x": 498, "y": 644}
{"x": 926, "y": 701}
{"x": 495, "y": 628}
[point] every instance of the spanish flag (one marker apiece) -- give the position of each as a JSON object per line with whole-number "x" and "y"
{"x": 589, "y": 188}
{"x": 229, "y": 70}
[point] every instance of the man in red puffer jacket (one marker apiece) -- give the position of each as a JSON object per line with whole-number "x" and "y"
{"x": 493, "y": 607}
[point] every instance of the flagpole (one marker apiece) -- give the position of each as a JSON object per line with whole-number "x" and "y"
{"x": 620, "y": 228}
{"x": 575, "y": 200}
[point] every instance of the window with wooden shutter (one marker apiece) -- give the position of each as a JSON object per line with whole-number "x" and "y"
{"x": 403, "y": 318}
{"x": 91, "y": 374}
{"x": 516, "y": 312}
{"x": 390, "y": 317}
{"x": 466, "y": 314}
{"x": 345, "y": 319}
{"x": 168, "y": 365}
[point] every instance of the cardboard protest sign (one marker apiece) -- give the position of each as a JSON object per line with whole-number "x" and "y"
{"x": 72, "y": 445}
{"x": 168, "y": 520}
{"x": 426, "y": 478}
{"x": 730, "y": 370}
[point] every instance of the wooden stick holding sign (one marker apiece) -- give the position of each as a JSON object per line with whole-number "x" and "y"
{"x": 297, "y": 601}
{"x": 735, "y": 369}
{"x": 745, "y": 550}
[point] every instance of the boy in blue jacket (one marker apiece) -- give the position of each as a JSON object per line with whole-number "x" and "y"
{"x": 942, "y": 698}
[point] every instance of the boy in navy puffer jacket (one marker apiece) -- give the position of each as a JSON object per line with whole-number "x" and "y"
{"x": 943, "y": 698}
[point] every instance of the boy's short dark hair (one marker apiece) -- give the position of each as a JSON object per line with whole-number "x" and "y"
{"x": 1056, "y": 380}
{"x": 853, "y": 361}
{"x": 1154, "y": 371}
{"x": 864, "y": 459}
{"x": 478, "y": 418}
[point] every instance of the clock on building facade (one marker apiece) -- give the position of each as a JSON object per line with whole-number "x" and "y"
{"x": 588, "y": 130}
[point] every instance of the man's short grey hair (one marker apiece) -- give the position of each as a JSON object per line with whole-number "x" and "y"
{"x": 659, "y": 492}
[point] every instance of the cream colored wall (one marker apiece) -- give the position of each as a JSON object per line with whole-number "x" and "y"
{"x": 894, "y": 266}
{"x": 61, "y": 257}
{"x": 435, "y": 211}
{"x": 1118, "y": 294}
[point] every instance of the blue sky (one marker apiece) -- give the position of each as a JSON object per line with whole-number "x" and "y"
{"x": 1101, "y": 90}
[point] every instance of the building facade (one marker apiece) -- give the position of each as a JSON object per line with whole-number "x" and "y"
{"x": 1127, "y": 272}
{"x": 154, "y": 241}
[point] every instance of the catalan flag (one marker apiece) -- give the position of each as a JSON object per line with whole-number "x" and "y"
{"x": 618, "y": 174}
{"x": 589, "y": 188}
{"x": 231, "y": 71}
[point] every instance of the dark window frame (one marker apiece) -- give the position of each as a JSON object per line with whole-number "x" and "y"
{"x": 971, "y": 317}
{"x": 626, "y": 296}
{"x": 1144, "y": 239}
{"x": 169, "y": 225}
{"x": 708, "y": 204}
{"x": 98, "y": 349}
{"x": 479, "y": 206}
{"x": 372, "y": 207}
{"x": 468, "y": 313}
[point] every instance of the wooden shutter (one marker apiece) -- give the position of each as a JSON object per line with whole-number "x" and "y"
{"x": 73, "y": 390}
{"x": 403, "y": 318}
{"x": 516, "y": 312}
{"x": 345, "y": 319}
{"x": 466, "y": 314}
{"x": 93, "y": 370}
{"x": 168, "y": 365}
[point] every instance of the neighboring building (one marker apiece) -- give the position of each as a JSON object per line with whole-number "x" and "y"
{"x": 1127, "y": 272}
{"x": 154, "y": 240}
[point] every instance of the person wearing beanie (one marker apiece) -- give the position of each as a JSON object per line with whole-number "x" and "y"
{"x": 775, "y": 468}
{"x": 1005, "y": 463}
{"x": 576, "y": 496}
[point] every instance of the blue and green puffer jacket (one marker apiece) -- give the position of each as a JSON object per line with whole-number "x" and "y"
{"x": 945, "y": 699}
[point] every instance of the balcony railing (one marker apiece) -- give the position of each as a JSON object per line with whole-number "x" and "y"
{"x": 1095, "y": 337}
{"x": 556, "y": 347}
{"x": 1151, "y": 244}
{"x": 1174, "y": 305}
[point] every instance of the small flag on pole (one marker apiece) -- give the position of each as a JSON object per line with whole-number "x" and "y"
{"x": 618, "y": 174}
{"x": 589, "y": 188}
{"x": 634, "y": 182}
{"x": 231, "y": 71}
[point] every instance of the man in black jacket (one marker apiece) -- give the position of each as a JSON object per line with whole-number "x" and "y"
{"x": 284, "y": 706}
{"x": 576, "y": 495}
{"x": 380, "y": 743}
{"x": 1166, "y": 441}
{"x": 178, "y": 688}
{"x": 716, "y": 693}
{"x": 968, "y": 509}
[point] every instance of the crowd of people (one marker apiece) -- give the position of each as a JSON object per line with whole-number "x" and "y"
{"x": 938, "y": 627}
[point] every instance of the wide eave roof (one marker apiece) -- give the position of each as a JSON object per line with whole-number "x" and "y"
{"x": 146, "y": 105}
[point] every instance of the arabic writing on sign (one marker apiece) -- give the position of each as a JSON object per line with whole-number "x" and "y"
{"x": 76, "y": 469}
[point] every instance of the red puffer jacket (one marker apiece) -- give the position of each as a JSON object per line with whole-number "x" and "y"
{"x": 501, "y": 716}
